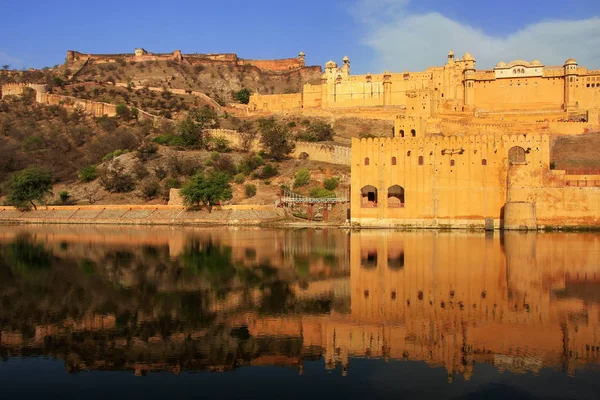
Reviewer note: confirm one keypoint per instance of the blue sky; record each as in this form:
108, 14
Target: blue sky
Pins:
376, 34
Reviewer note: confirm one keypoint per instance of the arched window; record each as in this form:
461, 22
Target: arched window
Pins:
408, 153
420, 160
368, 197
452, 163
516, 155
401, 132
393, 160
396, 259
413, 133
484, 162
395, 197
366, 160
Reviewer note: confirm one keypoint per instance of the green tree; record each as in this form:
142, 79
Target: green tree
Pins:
207, 190
243, 96
192, 129
317, 132
28, 185
275, 138
6, 67
123, 112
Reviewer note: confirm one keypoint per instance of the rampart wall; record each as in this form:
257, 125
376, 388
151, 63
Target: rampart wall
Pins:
95, 108
280, 65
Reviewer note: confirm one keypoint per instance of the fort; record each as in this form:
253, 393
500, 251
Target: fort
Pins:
527, 95
141, 55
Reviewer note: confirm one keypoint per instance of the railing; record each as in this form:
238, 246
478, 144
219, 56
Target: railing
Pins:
288, 197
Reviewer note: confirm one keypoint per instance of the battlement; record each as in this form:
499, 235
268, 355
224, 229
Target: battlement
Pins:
453, 141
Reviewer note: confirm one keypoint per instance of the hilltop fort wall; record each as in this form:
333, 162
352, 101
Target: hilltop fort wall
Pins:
141, 55
462, 181
95, 108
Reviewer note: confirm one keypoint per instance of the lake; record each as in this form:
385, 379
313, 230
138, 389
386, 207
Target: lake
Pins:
154, 312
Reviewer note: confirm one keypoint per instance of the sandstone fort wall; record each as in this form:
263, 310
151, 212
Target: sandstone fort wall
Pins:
277, 66
461, 181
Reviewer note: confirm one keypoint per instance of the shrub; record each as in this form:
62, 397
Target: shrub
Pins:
239, 178
123, 112
292, 124
220, 144
302, 177
250, 190
320, 193
268, 171
88, 174
331, 183
172, 183
140, 171
160, 172
150, 190
243, 96
250, 163
64, 196
146, 151
115, 179
163, 139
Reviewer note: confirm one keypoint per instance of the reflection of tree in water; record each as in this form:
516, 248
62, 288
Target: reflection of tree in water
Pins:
210, 260
25, 255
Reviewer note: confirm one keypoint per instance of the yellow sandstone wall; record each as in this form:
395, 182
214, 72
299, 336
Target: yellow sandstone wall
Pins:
461, 181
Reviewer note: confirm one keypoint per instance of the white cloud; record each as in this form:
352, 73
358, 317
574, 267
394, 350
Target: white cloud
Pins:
5, 59
403, 40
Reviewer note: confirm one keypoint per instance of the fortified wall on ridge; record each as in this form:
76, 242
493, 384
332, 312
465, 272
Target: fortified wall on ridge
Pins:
141, 55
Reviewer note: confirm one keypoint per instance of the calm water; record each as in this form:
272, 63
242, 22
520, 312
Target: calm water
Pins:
113, 312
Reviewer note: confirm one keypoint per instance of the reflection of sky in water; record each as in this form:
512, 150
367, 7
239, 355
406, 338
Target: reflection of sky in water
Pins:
447, 314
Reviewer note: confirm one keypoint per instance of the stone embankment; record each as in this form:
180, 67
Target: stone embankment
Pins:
143, 215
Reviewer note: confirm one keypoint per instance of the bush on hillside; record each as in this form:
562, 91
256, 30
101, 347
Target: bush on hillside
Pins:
302, 177
331, 183
250, 190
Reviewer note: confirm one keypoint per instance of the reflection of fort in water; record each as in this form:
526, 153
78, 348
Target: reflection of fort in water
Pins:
520, 302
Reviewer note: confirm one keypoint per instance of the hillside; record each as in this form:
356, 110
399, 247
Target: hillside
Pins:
217, 81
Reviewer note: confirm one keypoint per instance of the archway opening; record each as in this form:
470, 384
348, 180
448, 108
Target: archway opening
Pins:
395, 196
368, 197
368, 258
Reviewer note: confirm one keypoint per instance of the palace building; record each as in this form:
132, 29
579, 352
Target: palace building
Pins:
457, 86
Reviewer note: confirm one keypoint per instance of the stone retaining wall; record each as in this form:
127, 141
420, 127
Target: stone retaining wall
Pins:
143, 215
